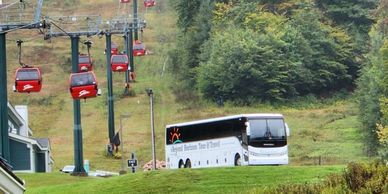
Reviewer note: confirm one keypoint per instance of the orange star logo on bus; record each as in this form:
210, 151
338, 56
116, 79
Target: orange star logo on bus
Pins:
174, 136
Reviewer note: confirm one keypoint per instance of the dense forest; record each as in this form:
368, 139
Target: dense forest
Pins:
274, 51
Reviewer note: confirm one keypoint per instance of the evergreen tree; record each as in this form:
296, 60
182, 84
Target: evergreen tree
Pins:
372, 87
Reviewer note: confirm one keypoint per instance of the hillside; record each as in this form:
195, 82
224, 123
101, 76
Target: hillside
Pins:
326, 129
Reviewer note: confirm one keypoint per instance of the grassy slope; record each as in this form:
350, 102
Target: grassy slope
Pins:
328, 130
216, 180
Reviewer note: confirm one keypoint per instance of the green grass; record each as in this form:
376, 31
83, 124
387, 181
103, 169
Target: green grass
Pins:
214, 180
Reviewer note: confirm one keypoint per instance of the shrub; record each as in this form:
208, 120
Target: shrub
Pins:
357, 178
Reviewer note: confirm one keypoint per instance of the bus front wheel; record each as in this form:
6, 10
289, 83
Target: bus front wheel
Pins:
181, 164
188, 163
237, 160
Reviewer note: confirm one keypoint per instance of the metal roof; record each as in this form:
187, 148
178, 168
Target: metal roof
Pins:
44, 142
249, 116
5, 166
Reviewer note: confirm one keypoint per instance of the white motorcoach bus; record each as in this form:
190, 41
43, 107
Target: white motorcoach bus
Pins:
248, 139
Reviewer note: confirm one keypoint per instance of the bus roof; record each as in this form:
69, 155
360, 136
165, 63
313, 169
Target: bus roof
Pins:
256, 115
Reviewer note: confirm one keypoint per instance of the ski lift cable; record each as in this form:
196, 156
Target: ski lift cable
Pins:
27, 40
19, 44
118, 8
89, 45
64, 31
39, 35
9, 5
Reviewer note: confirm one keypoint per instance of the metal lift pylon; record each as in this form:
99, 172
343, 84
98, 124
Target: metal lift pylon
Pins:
14, 16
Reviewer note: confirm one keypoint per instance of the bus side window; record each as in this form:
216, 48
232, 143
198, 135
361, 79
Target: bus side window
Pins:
287, 130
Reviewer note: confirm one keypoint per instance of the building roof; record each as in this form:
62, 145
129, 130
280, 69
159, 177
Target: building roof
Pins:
5, 166
249, 116
27, 140
44, 142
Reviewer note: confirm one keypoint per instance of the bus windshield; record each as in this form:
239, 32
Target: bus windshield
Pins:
267, 129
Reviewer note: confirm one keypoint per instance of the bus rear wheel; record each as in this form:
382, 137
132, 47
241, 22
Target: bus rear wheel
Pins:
188, 163
237, 160
181, 164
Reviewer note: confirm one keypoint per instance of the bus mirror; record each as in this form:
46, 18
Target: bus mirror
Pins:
287, 129
248, 128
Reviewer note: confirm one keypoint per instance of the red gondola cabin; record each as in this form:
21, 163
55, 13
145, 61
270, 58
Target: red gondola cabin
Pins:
149, 3
119, 63
85, 63
125, 1
83, 85
138, 48
28, 79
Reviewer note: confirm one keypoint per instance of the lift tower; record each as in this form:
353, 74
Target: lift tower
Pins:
14, 15
125, 26
75, 27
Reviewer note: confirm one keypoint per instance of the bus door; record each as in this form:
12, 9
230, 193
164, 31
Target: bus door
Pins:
245, 131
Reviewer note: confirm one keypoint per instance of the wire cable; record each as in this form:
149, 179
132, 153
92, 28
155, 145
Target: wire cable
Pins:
64, 31
9, 5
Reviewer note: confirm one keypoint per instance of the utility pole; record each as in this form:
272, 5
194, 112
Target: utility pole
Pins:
122, 171
151, 95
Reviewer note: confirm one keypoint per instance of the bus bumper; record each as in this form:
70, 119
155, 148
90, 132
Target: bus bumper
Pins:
253, 160
268, 156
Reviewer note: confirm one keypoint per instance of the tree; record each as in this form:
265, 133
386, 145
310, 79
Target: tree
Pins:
372, 91
196, 25
354, 15
244, 67
329, 58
